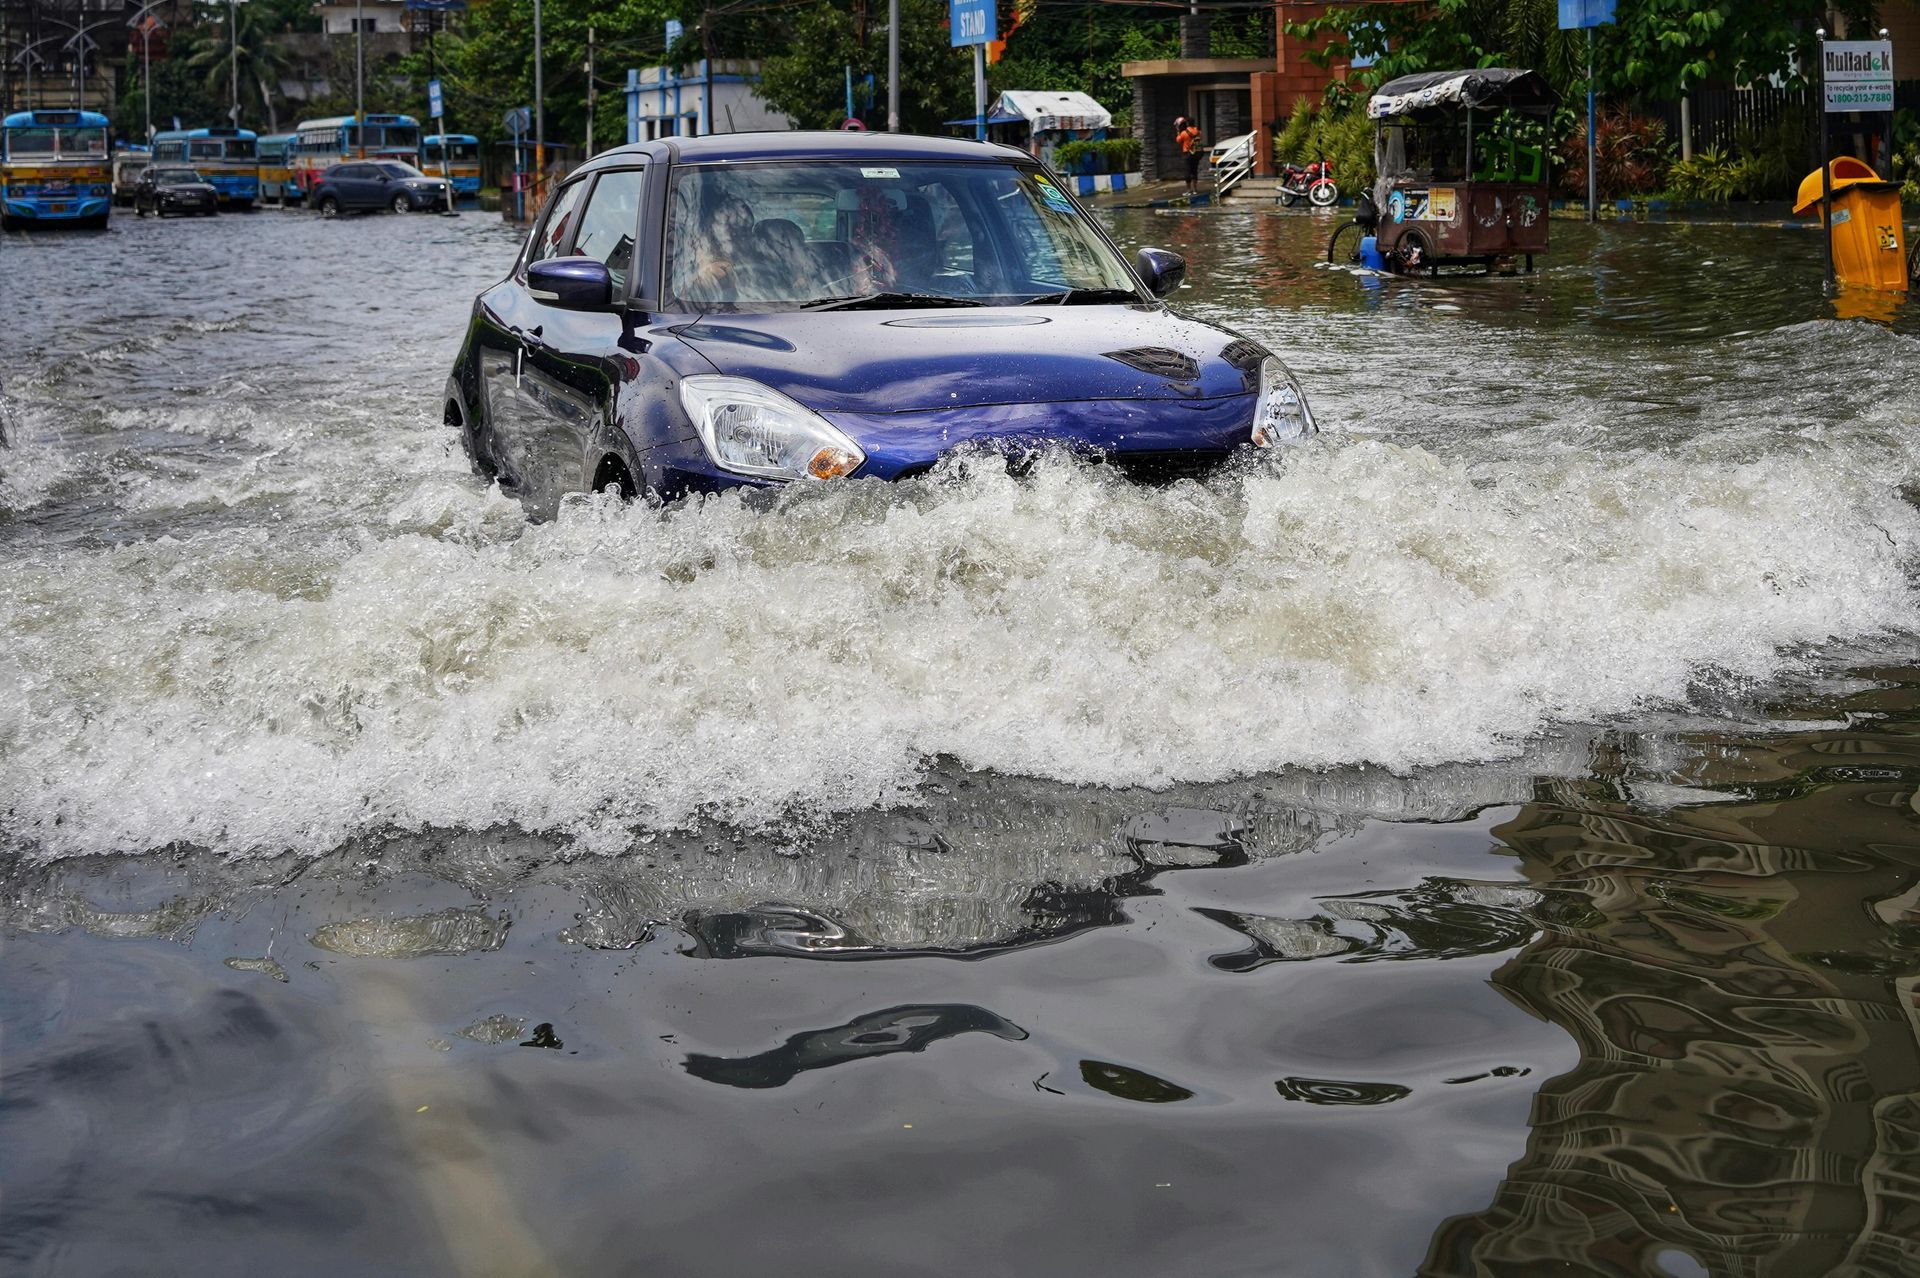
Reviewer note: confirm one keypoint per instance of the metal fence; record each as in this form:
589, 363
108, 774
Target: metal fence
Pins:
1722, 113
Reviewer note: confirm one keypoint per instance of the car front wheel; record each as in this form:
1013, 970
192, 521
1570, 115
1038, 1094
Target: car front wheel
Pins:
329, 206
401, 204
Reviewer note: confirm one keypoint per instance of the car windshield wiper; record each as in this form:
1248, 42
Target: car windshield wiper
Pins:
1071, 296
888, 301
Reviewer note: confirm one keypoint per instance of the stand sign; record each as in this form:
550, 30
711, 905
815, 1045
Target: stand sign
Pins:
436, 105
1858, 75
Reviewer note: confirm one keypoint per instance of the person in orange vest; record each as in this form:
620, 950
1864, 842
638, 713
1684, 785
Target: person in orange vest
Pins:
1187, 134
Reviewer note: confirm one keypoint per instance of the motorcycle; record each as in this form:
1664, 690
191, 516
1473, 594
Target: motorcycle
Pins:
1312, 182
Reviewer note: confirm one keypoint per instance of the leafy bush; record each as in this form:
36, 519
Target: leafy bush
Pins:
1776, 156
1340, 134
1906, 155
1631, 152
1711, 175
1113, 155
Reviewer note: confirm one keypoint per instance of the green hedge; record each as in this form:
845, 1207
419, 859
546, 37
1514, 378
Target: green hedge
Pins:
1114, 155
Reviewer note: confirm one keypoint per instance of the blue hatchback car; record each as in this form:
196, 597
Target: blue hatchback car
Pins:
695, 314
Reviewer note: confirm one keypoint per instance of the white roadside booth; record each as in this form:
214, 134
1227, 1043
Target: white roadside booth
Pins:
1040, 121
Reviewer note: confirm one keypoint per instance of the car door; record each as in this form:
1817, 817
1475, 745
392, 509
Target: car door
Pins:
353, 182
576, 364
510, 323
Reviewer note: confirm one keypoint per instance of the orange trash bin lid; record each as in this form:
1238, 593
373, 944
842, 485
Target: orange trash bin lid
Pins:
1846, 171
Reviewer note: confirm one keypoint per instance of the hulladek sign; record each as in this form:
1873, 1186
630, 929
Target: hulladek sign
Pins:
1857, 74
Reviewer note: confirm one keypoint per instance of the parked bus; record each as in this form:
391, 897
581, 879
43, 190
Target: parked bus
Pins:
55, 169
276, 167
320, 144
461, 154
226, 157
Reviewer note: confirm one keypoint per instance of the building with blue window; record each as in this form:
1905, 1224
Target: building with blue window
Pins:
672, 102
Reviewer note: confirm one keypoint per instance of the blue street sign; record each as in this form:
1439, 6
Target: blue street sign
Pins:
972, 22
1575, 14
674, 31
439, 6
435, 106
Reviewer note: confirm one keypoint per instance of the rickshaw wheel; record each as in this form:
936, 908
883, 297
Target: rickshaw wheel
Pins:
1413, 256
1344, 248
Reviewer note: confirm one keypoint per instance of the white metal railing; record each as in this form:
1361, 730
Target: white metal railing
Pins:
1228, 176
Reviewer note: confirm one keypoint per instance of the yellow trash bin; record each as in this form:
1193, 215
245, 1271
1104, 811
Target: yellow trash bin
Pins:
1869, 245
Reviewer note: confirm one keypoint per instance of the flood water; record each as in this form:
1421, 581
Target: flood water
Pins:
1485, 844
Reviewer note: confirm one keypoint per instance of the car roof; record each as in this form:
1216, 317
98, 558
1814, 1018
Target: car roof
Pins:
803, 144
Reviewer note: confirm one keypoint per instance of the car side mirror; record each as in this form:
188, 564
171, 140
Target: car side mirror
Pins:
1160, 269
576, 283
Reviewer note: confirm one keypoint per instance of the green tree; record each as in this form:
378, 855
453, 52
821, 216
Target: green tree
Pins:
1665, 47
242, 54
1656, 49
807, 82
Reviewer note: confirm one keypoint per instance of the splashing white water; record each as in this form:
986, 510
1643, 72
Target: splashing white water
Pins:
258, 689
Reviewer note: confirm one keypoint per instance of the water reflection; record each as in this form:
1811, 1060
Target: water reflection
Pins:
1743, 992
1725, 927
884, 1033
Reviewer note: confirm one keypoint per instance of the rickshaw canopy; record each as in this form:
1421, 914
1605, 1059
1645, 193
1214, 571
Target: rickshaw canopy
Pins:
1484, 88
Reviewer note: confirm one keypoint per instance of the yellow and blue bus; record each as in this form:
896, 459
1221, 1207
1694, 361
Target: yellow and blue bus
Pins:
55, 169
276, 167
226, 157
461, 154
318, 145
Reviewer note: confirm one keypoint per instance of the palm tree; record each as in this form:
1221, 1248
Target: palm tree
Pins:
246, 57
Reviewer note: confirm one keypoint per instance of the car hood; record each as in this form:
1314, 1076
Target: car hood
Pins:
913, 361
187, 188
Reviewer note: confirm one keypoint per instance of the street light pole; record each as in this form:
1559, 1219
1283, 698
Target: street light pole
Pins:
143, 19
233, 60
80, 44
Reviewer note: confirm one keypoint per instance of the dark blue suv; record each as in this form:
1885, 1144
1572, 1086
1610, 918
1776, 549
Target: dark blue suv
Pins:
376, 184
755, 309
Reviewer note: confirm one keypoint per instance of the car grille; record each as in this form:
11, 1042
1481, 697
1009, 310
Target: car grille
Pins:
1166, 467
1152, 468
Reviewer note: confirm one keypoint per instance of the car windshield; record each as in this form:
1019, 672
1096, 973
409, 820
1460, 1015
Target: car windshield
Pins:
396, 169
774, 237
177, 175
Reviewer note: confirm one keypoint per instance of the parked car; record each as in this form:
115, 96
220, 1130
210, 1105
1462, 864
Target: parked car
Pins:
695, 314
376, 184
165, 189
1234, 150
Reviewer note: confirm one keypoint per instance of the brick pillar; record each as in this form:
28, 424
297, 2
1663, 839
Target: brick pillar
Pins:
1196, 35
1266, 115
1142, 122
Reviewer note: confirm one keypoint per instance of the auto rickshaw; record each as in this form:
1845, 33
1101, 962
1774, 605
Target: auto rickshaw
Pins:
1464, 174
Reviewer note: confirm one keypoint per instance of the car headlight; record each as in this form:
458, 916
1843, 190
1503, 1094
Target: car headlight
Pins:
1281, 414
752, 429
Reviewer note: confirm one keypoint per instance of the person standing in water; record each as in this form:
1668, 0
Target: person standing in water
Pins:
1187, 134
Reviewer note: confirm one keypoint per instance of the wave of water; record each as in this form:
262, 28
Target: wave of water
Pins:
255, 689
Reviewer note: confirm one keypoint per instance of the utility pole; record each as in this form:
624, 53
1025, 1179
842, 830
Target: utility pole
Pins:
706, 70
539, 112
590, 93
359, 79
233, 61
893, 66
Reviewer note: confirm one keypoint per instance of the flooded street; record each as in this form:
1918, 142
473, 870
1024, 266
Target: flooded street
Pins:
1484, 843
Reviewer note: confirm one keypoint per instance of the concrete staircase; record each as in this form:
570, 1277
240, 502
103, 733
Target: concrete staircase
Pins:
1257, 190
